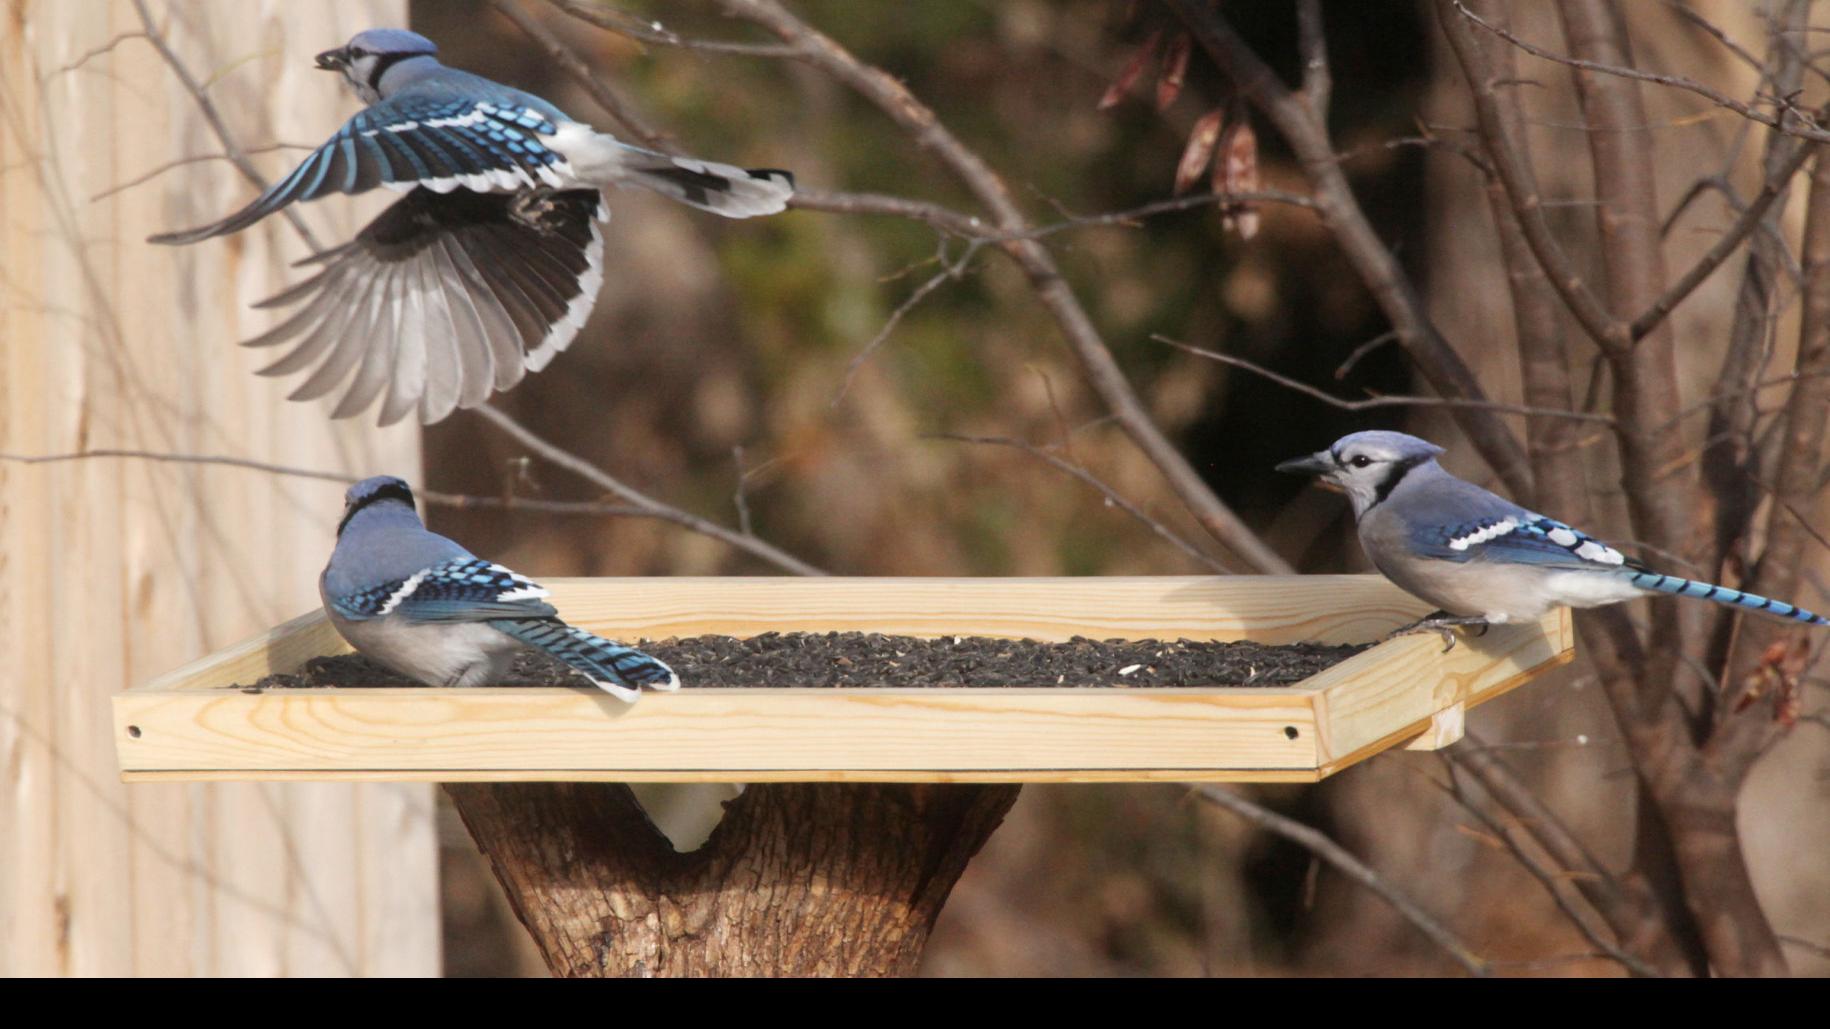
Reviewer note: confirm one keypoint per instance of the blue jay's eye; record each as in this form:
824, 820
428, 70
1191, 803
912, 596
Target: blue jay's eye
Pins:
356, 52
1359, 460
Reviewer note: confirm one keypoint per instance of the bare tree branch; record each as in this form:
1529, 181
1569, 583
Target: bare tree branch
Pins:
1521, 184
1790, 120
1381, 400
1321, 846
1556, 882
1096, 359
1749, 220
1441, 366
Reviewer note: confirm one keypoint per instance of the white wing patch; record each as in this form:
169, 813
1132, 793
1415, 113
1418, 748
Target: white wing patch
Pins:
525, 588
1586, 549
1482, 535
406, 589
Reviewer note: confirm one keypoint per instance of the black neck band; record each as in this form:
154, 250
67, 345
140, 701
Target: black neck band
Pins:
1392, 479
391, 491
385, 61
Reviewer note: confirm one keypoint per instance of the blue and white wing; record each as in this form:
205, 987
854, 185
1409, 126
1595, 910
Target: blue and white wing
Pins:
439, 142
1520, 538
467, 589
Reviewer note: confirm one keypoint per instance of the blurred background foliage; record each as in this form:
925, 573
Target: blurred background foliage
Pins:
719, 362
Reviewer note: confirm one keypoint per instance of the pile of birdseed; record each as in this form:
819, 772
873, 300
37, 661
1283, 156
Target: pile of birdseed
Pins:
860, 659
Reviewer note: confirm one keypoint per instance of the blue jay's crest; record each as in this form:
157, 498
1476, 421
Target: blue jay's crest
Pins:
1379, 443
1479, 556
489, 266
387, 42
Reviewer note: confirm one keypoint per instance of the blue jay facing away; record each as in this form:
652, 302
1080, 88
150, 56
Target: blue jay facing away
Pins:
490, 264
433, 611
1482, 559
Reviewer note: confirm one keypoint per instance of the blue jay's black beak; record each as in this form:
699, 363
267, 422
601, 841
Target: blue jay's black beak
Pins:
1313, 464
332, 60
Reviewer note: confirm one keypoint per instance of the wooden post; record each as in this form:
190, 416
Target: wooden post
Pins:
114, 570
798, 880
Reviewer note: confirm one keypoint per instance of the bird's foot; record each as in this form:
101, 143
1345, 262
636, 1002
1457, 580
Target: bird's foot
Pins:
1443, 623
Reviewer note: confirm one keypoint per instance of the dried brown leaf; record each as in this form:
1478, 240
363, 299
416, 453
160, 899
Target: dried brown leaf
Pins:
1175, 70
1236, 171
1133, 68
1199, 152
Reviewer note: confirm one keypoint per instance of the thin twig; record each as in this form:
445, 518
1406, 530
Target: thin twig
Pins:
1377, 400
1321, 846
1749, 220
182, 161
207, 107
1821, 950
1112, 496
624, 24
1558, 883
650, 506
575, 66
1806, 129
973, 228
950, 271
435, 498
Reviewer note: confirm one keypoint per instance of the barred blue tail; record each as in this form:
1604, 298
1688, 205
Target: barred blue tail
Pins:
612, 667
1724, 595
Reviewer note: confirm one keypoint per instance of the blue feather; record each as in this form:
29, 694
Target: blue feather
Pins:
599, 659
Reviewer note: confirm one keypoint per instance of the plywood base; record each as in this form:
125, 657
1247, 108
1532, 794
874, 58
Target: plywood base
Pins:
191, 726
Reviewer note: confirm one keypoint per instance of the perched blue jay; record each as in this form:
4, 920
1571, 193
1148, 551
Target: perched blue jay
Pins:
432, 611
489, 265
1482, 559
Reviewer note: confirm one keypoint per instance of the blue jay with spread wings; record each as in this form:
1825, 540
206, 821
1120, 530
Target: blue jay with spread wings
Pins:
429, 609
1480, 558
489, 265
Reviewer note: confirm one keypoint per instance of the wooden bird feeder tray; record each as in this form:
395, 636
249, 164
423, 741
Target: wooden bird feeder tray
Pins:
192, 725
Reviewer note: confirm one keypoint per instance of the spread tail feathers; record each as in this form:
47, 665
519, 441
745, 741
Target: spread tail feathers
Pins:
719, 188
1723, 595
612, 667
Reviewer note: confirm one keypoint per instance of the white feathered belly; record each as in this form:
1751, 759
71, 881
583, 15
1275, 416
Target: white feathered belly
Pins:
1508, 593
434, 653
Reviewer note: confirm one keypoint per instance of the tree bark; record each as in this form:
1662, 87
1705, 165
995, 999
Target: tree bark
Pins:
816, 879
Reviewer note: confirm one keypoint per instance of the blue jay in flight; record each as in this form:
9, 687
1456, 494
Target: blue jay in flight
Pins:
490, 264
1482, 559
432, 611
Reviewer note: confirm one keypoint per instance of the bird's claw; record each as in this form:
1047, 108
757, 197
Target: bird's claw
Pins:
1441, 623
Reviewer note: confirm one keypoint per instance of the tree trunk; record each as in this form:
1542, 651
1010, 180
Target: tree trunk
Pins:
798, 880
